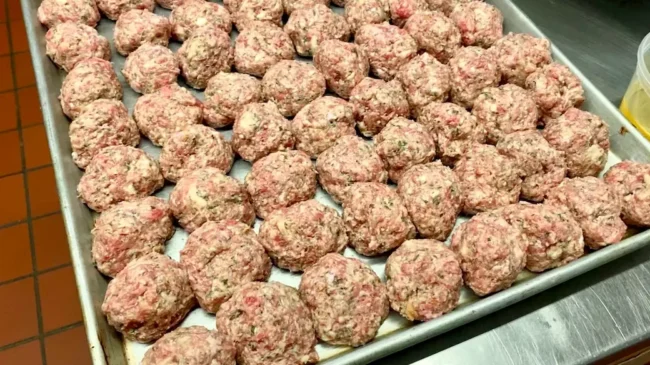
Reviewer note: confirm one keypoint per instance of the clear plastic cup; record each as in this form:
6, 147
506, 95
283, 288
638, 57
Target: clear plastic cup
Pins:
636, 102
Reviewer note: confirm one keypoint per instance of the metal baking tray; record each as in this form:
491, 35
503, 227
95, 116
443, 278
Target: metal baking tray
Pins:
107, 346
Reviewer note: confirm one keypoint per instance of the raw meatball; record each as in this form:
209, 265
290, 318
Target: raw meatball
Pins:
250, 11
362, 12
226, 95
423, 279
171, 4
310, 27
221, 256
492, 252
129, 230
279, 180
150, 67
297, 236
269, 325
505, 109
375, 218
472, 70
68, 43
166, 111
342, 64
261, 46
556, 89
91, 79
149, 297
193, 15
387, 47
376, 102
402, 10
137, 27
203, 55
595, 205
541, 166
553, 237
103, 123
291, 85
53, 12
348, 161
404, 144
453, 128
519, 55
112, 9
630, 180
259, 130
583, 137
347, 300
480, 24
446, 6
425, 80
434, 33
320, 123
432, 196
193, 148
191, 345
291, 5
116, 174
208, 195
488, 180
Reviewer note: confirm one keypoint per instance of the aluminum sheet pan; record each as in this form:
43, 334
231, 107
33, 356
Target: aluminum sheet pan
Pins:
395, 334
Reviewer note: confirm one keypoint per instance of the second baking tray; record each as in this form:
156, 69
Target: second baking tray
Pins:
395, 334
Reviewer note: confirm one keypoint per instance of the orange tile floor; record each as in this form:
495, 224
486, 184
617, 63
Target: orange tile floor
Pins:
40, 316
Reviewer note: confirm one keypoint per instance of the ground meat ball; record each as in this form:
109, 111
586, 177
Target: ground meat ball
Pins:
250, 11
375, 218
226, 95
541, 166
192, 345
291, 85
259, 130
387, 47
504, 110
203, 55
519, 55
269, 325
297, 236
348, 161
480, 24
193, 15
434, 33
112, 9
425, 80
342, 64
347, 300
53, 12
150, 67
90, 80
583, 137
310, 27
118, 173
453, 128
291, 5
148, 298
260, 47
446, 6
492, 252
595, 205
320, 123
280, 180
209, 195
404, 144
166, 111
137, 27
402, 10
631, 180
68, 43
423, 279
193, 148
432, 196
472, 70
361, 12
488, 180
219, 257
553, 237
376, 102
130, 230
103, 123
556, 89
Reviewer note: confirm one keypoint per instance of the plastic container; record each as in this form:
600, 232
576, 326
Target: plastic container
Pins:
636, 102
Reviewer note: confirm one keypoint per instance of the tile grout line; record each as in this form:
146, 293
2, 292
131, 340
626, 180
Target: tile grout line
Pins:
27, 276
26, 170
9, 225
41, 337
26, 127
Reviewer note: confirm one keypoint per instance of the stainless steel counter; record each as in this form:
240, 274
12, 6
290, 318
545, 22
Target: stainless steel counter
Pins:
606, 310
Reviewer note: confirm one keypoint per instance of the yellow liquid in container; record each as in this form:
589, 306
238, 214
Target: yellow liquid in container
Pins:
636, 104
